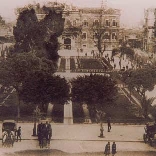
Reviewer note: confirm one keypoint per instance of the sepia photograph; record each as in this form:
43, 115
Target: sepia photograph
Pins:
77, 77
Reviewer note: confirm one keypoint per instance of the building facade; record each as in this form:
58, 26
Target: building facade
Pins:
79, 29
83, 26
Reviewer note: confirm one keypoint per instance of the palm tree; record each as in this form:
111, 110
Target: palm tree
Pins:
146, 104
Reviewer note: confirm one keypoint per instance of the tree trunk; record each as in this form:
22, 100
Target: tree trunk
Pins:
18, 106
145, 105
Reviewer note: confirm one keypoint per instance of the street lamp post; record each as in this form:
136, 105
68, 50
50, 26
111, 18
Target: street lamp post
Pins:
36, 114
34, 129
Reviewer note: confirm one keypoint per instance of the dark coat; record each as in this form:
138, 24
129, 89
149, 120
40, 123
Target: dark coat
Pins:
113, 148
107, 149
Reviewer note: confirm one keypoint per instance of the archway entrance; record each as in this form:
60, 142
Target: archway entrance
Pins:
67, 43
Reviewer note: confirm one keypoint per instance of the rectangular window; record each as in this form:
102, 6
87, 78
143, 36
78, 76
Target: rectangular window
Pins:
114, 23
84, 36
114, 37
107, 23
84, 45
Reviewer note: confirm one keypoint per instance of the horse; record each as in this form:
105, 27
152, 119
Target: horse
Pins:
8, 138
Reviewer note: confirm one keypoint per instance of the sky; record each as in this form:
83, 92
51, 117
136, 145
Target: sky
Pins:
132, 11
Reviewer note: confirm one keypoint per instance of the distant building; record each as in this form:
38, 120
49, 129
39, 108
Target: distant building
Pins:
134, 37
149, 39
6, 39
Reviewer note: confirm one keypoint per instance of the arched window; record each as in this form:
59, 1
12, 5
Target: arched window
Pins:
106, 36
84, 35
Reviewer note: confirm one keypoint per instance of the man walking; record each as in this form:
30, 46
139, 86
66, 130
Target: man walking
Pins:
113, 149
109, 123
107, 149
19, 134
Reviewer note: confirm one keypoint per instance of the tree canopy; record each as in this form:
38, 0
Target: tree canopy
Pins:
25, 32
124, 50
141, 79
15, 69
43, 88
95, 90
38, 36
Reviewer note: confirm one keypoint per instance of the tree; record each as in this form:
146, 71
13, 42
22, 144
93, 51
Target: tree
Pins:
42, 88
124, 49
97, 91
99, 34
146, 104
2, 22
39, 36
25, 32
16, 68
141, 79
53, 26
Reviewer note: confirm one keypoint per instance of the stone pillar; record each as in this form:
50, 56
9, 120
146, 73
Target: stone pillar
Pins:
49, 111
67, 64
68, 113
86, 113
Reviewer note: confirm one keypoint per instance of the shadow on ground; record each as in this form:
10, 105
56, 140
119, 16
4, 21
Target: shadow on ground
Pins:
47, 152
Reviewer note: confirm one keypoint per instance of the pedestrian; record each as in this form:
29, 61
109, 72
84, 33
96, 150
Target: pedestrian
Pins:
113, 149
107, 149
109, 124
39, 133
49, 132
19, 134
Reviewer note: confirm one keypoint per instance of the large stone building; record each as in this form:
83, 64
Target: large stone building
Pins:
79, 30
84, 19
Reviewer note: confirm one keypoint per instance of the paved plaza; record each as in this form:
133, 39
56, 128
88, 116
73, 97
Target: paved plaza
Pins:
80, 138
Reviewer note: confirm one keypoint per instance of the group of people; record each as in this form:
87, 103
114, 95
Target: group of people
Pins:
44, 132
107, 150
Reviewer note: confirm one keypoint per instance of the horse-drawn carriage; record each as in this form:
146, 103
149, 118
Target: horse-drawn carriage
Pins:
9, 128
150, 134
44, 132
